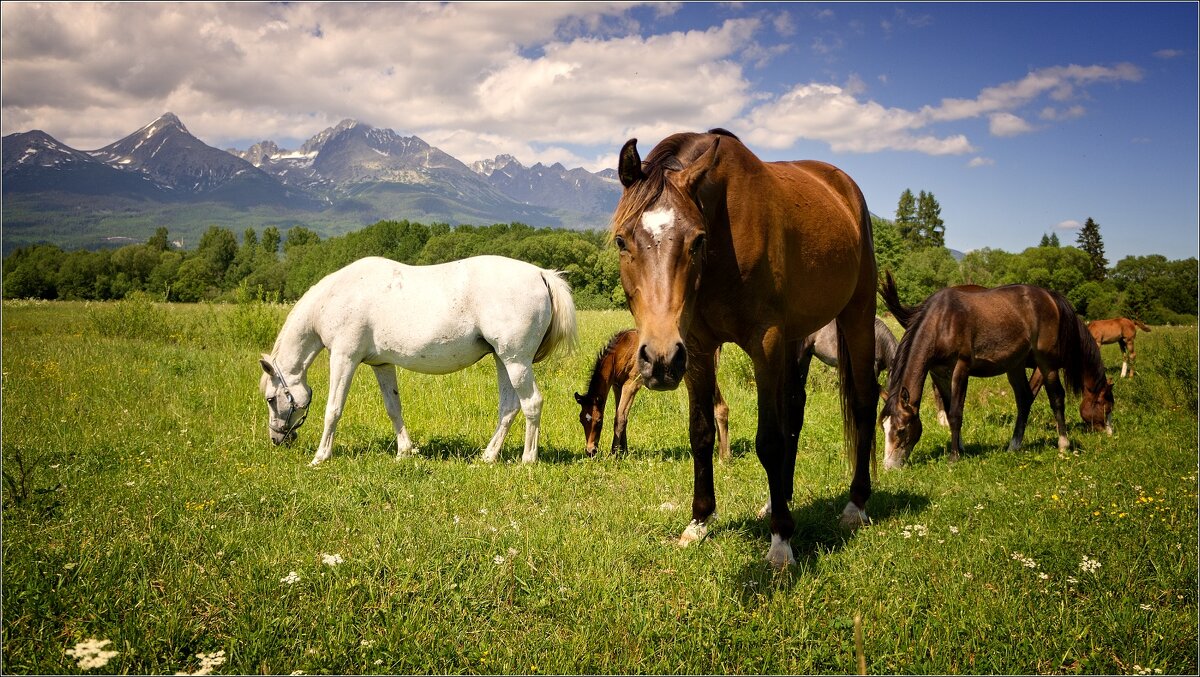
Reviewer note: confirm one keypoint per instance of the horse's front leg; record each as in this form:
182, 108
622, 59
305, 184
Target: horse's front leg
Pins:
796, 397
624, 403
701, 382
341, 372
385, 374
772, 373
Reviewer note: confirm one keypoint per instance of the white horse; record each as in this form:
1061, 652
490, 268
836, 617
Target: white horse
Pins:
431, 319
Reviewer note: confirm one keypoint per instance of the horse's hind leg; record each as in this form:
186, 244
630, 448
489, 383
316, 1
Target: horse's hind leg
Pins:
520, 374
1024, 395
1126, 356
721, 414
509, 406
624, 396
385, 374
1132, 356
341, 372
1058, 397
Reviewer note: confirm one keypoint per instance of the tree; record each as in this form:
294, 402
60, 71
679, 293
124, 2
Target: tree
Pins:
931, 230
906, 216
1050, 240
159, 240
270, 240
1091, 244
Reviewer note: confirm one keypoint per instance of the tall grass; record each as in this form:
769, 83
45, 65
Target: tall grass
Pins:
156, 515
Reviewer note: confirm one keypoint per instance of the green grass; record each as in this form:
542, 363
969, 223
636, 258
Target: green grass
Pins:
144, 505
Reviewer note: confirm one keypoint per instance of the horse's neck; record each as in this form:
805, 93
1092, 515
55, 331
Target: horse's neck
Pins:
297, 345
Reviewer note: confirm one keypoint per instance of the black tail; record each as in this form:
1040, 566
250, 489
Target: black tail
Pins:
891, 298
1079, 350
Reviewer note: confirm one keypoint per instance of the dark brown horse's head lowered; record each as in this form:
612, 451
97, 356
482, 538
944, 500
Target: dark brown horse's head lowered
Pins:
660, 232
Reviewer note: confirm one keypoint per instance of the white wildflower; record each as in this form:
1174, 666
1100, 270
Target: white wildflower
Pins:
1026, 561
954, 530
331, 560
498, 559
90, 653
1089, 565
292, 577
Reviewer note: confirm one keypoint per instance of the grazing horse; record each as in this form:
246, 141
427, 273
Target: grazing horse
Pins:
1121, 331
616, 370
957, 333
431, 319
717, 246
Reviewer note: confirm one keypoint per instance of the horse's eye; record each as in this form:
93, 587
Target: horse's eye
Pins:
271, 400
620, 243
698, 244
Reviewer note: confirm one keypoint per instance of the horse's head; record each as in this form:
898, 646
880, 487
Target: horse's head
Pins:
901, 422
591, 417
287, 406
1096, 405
661, 233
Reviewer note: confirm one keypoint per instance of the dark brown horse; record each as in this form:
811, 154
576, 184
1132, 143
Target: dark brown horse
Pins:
616, 370
1121, 331
717, 246
957, 333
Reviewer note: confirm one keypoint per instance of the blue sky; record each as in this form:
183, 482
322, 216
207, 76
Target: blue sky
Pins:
1021, 118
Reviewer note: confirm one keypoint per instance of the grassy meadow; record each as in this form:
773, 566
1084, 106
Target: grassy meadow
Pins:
144, 508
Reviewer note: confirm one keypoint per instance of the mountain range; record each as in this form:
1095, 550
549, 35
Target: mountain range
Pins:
341, 179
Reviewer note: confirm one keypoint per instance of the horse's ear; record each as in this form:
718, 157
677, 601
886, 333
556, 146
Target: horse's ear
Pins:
883, 395
629, 166
579, 398
265, 361
694, 172
904, 395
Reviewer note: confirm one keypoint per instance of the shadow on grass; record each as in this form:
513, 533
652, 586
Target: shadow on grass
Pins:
818, 534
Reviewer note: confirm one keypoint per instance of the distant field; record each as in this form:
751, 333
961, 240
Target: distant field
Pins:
144, 505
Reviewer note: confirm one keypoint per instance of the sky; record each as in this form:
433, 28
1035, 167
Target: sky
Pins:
1022, 119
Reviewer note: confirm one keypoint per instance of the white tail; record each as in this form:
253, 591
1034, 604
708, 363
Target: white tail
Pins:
562, 330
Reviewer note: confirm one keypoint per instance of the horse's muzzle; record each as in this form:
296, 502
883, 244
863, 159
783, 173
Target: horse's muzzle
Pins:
662, 371
283, 439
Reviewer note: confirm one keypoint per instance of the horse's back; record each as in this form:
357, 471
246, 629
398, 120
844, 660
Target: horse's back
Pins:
433, 318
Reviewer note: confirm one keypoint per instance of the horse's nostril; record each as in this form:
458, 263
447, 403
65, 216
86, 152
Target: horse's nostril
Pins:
643, 354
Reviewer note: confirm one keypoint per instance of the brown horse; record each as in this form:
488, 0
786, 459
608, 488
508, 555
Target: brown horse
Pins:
1121, 331
615, 370
957, 333
717, 246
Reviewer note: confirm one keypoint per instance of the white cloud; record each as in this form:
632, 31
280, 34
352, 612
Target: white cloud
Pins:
1007, 124
831, 114
1168, 53
1059, 82
89, 74
1069, 224
1070, 113
980, 162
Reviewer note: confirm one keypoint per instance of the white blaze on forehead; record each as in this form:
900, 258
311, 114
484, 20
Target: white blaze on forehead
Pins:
657, 222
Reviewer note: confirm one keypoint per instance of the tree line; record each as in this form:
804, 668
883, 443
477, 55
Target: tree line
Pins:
275, 266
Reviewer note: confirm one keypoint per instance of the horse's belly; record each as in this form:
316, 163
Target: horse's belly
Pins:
436, 358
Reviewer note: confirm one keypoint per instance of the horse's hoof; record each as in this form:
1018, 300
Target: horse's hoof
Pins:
1064, 444
694, 533
765, 511
854, 517
780, 554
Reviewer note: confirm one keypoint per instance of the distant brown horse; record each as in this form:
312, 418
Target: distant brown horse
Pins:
1121, 331
717, 246
959, 333
615, 370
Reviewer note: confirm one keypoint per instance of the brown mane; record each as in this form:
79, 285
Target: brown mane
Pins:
671, 154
